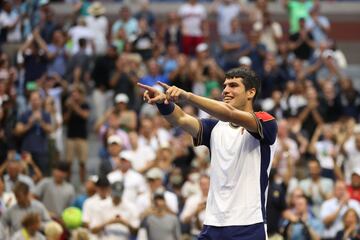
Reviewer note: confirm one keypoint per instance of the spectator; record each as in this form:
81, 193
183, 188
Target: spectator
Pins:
351, 149
173, 31
232, 43
13, 216
333, 210
302, 42
159, 222
194, 27
57, 55
318, 25
10, 22
14, 175
112, 162
54, 192
125, 21
318, 189
351, 226
98, 24
297, 9
146, 13
120, 217
194, 209
76, 116
144, 40
134, 182
34, 126
354, 188
31, 228
81, 31
101, 73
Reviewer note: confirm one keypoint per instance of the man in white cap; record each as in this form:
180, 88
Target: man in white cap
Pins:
134, 182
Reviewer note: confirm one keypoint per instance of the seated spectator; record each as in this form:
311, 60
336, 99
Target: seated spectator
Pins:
333, 210
305, 225
14, 174
193, 212
317, 188
120, 217
12, 218
158, 221
31, 228
134, 182
54, 192
351, 226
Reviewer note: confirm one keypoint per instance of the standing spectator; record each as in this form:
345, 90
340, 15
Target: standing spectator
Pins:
25, 204
318, 25
126, 21
97, 23
31, 228
226, 11
144, 40
194, 27
232, 43
33, 127
112, 161
54, 192
57, 55
159, 222
47, 24
173, 31
34, 57
297, 9
302, 42
104, 67
333, 210
76, 116
81, 31
10, 22
270, 32
146, 13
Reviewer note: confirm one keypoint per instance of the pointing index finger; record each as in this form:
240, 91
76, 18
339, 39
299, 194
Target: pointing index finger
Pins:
146, 87
164, 85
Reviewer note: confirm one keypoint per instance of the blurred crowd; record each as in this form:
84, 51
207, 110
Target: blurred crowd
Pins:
66, 83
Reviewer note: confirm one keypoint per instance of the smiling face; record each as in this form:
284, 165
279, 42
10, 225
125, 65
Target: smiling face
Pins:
234, 93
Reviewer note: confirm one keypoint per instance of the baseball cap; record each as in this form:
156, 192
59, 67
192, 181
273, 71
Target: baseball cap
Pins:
155, 173
114, 139
202, 47
103, 181
117, 189
121, 98
127, 155
245, 60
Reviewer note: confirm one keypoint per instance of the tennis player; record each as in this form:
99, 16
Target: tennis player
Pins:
240, 142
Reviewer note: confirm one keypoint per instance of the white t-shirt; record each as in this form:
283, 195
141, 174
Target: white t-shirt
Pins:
8, 19
78, 32
240, 166
99, 27
93, 210
125, 210
353, 158
190, 208
323, 153
142, 155
225, 13
192, 17
134, 183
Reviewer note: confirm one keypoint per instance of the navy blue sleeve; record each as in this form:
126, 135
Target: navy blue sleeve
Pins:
267, 128
204, 134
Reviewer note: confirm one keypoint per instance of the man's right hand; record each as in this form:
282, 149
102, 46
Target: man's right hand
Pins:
152, 95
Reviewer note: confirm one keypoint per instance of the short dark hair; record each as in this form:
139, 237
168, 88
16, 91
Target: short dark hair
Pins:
248, 76
21, 187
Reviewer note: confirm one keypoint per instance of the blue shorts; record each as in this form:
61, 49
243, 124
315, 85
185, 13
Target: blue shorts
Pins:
251, 232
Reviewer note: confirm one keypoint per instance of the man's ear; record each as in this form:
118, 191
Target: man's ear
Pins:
250, 94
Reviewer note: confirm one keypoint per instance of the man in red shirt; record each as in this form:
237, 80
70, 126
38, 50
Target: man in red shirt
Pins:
354, 188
